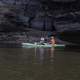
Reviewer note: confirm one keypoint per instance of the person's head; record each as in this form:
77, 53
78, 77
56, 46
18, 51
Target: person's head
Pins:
52, 37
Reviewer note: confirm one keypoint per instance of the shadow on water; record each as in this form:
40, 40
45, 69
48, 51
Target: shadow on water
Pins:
10, 45
74, 48
39, 64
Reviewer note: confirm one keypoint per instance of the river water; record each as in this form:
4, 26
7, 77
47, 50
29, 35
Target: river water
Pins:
39, 64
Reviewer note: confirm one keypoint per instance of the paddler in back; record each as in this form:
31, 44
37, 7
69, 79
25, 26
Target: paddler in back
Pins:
52, 40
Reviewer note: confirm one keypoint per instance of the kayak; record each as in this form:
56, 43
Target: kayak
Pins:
32, 45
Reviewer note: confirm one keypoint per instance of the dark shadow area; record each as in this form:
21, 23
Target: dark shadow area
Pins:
71, 36
10, 45
72, 48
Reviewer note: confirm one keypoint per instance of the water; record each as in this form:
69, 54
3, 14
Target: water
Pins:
39, 64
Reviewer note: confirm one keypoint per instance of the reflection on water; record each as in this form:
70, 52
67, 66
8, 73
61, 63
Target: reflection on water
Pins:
39, 64
52, 55
41, 55
44, 53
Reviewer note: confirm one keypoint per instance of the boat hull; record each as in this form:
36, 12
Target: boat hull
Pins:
29, 45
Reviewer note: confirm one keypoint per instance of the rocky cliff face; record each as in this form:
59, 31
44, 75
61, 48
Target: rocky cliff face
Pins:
17, 15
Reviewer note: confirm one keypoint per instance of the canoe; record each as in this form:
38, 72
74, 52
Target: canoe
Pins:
31, 45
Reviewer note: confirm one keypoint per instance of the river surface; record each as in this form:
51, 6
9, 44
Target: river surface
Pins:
39, 64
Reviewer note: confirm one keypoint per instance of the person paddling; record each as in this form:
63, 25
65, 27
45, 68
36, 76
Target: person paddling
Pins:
52, 40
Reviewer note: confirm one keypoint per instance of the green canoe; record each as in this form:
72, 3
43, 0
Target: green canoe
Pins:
32, 45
